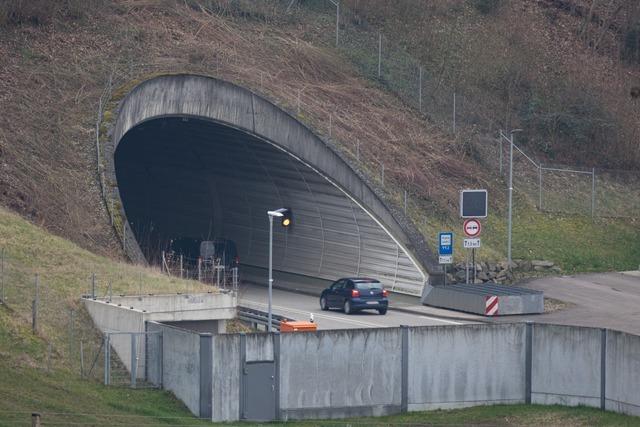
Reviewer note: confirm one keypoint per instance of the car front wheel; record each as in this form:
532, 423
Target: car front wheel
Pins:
323, 304
347, 307
382, 311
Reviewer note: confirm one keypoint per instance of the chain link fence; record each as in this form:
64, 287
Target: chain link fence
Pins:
50, 307
385, 61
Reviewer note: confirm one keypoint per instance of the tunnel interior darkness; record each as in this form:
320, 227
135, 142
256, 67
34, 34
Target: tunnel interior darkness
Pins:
189, 177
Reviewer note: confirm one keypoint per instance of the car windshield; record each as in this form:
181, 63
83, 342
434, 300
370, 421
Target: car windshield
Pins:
365, 286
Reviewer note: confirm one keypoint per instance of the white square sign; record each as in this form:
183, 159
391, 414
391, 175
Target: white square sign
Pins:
471, 243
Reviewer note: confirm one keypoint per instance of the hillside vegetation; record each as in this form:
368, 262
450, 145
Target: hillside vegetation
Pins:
60, 56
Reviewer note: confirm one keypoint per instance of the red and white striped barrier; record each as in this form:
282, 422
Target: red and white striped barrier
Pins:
491, 305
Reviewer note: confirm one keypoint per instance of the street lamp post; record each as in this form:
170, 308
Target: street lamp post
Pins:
285, 214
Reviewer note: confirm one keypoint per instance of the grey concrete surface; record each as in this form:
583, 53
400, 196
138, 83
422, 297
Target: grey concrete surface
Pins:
180, 364
600, 300
452, 367
299, 306
566, 365
226, 377
329, 372
623, 373
202, 312
473, 298
359, 372
224, 103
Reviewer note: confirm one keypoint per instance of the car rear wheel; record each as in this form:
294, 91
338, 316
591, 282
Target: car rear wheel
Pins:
323, 304
382, 311
347, 307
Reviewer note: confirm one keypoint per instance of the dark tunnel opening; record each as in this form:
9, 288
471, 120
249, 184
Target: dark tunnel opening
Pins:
197, 180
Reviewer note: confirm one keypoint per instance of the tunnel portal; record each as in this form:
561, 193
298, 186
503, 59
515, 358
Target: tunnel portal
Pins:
186, 175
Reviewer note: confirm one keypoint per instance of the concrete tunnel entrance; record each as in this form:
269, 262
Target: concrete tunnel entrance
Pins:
185, 172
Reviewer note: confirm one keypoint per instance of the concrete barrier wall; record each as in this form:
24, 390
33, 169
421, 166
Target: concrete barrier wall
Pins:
259, 347
566, 365
226, 377
623, 373
111, 318
335, 374
452, 367
348, 373
180, 364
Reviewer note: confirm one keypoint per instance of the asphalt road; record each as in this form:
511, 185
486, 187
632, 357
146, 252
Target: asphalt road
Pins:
601, 300
300, 306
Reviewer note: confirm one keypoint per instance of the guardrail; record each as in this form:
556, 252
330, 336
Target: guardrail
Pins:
259, 317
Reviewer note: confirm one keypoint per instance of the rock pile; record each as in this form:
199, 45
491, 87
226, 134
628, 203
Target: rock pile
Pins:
498, 272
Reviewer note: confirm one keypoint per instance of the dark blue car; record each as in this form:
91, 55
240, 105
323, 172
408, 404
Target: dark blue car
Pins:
355, 294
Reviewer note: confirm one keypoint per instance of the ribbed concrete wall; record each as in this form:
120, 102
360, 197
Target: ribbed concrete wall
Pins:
452, 367
623, 373
336, 374
566, 365
270, 160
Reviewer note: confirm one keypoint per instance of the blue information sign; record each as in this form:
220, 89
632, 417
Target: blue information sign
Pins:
445, 246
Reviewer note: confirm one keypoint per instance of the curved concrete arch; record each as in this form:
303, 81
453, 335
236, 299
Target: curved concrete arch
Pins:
213, 104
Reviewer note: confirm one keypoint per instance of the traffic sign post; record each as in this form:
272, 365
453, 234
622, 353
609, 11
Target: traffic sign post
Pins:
445, 251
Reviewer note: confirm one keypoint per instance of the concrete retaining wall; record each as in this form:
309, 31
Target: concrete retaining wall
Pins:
334, 374
226, 377
452, 367
180, 363
345, 373
566, 365
111, 318
623, 373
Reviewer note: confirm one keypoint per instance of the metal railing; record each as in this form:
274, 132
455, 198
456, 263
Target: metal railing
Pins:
258, 317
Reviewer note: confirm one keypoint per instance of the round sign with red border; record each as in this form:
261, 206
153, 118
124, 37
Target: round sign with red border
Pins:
472, 228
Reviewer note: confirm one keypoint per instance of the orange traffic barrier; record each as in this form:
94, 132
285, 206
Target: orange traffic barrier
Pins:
298, 326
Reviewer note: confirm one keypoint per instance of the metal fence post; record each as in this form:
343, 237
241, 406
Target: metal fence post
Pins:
454, 113
379, 54
540, 186
337, 21
501, 154
405, 202
34, 307
382, 170
134, 361
93, 285
107, 361
593, 192
329, 125
358, 151
70, 332
81, 359
420, 88
2, 295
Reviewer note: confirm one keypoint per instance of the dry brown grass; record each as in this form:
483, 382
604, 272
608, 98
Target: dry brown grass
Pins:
53, 76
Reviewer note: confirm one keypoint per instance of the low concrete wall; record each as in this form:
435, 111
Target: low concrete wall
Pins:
566, 365
345, 373
336, 374
180, 363
451, 367
623, 373
181, 307
111, 318
226, 377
